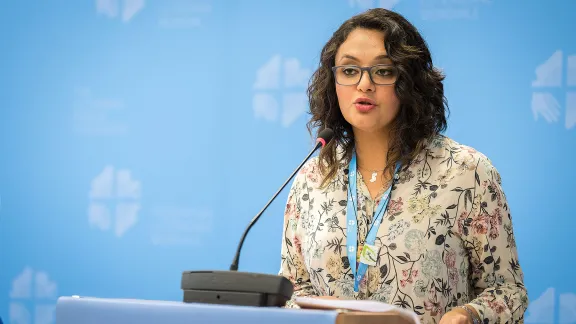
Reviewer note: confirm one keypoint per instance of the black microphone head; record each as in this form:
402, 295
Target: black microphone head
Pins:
325, 136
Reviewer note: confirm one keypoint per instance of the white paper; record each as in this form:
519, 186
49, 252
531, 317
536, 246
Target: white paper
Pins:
357, 305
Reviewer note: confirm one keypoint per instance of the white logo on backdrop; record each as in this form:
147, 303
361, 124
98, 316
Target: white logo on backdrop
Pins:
550, 79
431, 9
180, 226
451, 9
280, 91
183, 14
542, 310
32, 298
96, 116
126, 9
114, 201
367, 4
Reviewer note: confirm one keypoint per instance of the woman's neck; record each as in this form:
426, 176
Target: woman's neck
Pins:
371, 149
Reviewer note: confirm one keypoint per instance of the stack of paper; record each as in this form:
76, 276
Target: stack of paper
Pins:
356, 305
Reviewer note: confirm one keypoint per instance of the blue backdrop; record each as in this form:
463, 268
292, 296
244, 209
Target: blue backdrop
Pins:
139, 137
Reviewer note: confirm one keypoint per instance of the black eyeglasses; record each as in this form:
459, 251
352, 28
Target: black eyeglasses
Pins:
380, 74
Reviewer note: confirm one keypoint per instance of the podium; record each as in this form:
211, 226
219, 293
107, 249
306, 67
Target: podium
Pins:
88, 310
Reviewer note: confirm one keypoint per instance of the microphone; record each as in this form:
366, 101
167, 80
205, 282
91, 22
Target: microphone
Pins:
245, 288
323, 138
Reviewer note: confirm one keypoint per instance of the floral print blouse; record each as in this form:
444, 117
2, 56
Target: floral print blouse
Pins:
446, 238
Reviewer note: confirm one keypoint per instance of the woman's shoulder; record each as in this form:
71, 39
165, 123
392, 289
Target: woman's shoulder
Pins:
313, 175
451, 154
444, 144
310, 169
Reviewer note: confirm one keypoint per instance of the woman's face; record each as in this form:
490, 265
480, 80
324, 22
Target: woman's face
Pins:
368, 107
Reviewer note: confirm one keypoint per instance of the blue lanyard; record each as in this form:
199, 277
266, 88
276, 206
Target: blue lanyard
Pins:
352, 226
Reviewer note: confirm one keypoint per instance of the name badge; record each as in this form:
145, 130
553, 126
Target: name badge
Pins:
369, 254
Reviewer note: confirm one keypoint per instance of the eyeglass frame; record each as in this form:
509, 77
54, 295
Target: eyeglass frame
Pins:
362, 69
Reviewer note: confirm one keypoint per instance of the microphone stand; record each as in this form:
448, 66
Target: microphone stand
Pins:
234, 265
244, 288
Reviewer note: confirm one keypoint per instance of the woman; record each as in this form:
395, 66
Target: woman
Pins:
422, 219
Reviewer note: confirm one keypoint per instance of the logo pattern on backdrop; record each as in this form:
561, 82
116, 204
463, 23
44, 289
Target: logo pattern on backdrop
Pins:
367, 4
452, 9
184, 14
97, 116
280, 91
555, 78
33, 298
125, 10
173, 225
114, 201
431, 9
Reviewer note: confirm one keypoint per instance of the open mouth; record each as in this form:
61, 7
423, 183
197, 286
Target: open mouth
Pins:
364, 102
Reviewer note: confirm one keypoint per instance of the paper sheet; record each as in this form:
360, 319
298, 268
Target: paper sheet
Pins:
355, 305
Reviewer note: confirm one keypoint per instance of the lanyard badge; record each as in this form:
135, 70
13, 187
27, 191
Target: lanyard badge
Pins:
369, 252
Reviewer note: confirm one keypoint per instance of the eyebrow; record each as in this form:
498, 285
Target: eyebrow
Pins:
379, 57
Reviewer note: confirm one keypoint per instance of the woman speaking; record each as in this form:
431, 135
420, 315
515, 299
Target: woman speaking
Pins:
391, 210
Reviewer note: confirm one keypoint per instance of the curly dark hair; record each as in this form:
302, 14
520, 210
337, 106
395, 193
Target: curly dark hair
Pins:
419, 87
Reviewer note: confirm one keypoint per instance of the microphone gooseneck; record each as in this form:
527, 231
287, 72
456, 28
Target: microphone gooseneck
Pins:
324, 137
